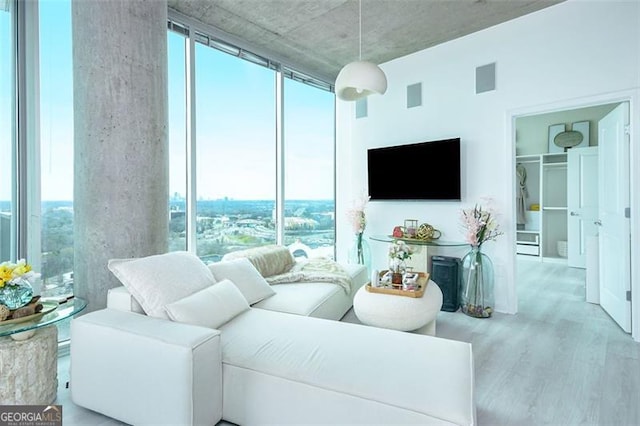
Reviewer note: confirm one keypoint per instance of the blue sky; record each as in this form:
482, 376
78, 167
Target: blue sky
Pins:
235, 121
5, 106
56, 100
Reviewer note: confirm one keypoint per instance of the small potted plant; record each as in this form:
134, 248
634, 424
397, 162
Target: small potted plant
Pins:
399, 252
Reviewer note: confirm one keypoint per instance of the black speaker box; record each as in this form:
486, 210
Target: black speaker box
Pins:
446, 272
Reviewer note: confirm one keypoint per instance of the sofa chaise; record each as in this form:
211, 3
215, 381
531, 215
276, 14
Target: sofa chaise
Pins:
200, 356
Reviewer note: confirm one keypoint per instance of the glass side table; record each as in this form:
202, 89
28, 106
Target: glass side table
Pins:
29, 354
420, 260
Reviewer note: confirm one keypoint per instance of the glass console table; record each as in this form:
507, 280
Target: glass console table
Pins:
29, 354
420, 259
418, 242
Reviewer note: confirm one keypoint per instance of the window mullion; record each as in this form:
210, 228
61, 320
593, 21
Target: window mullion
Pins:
190, 81
27, 124
280, 164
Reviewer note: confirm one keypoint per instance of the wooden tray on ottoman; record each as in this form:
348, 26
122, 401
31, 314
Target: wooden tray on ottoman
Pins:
396, 289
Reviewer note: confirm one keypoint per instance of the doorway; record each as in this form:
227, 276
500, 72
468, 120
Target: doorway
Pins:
546, 228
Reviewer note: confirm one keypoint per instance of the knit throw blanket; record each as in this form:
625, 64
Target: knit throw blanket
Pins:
269, 260
314, 270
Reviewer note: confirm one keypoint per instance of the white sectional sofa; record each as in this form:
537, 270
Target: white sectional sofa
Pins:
283, 360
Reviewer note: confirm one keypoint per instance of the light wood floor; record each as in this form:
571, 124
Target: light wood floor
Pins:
559, 361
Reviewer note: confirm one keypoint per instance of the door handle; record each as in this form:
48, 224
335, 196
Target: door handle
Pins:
598, 222
574, 214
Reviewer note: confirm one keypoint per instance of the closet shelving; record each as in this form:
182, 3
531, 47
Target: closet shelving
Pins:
547, 187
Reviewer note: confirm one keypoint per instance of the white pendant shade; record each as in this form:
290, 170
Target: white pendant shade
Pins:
360, 79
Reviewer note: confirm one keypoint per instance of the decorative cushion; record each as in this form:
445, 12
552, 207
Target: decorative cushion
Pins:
156, 281
212, 307
269, 260
245, 276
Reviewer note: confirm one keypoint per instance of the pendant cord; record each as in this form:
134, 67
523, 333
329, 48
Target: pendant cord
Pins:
360, 33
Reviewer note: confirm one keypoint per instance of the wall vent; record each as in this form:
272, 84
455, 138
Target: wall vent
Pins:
486, 78
414, 95
361, 108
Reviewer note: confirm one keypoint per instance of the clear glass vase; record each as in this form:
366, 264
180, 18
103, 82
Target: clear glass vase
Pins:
476, 293
17, 294
360, 252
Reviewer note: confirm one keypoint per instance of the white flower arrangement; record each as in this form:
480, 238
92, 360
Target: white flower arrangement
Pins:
400, 250
358, 220
357, 217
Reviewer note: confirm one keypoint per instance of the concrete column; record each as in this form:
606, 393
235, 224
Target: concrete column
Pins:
121, 144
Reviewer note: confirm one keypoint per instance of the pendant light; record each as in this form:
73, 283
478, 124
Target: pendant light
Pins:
361, 78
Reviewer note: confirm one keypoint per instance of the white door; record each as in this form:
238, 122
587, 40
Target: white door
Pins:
613, 221
582, 198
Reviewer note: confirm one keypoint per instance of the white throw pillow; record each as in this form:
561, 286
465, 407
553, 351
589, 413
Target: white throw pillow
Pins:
245, 276
155, 281
212, 307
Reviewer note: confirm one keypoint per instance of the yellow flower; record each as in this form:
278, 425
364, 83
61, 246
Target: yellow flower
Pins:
10, 271
20, 270
5, 274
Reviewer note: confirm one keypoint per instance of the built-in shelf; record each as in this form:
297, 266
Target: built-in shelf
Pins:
547, 187
528, 158
554, 158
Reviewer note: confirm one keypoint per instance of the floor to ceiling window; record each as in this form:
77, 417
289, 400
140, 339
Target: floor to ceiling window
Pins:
36, 138
236, 153
309, 169
233, 104
56, 147
177, 141
7, 135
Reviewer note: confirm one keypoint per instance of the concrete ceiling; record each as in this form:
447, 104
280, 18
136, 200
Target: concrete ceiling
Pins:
319, 37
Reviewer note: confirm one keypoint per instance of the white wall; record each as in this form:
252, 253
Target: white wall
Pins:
560, 55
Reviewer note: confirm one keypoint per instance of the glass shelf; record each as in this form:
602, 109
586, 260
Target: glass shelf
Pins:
418, 242
64, 310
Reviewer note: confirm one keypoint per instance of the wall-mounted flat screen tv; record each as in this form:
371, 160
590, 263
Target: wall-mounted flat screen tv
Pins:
420, 171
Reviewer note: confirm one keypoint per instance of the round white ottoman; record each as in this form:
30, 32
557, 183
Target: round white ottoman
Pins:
399, 312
